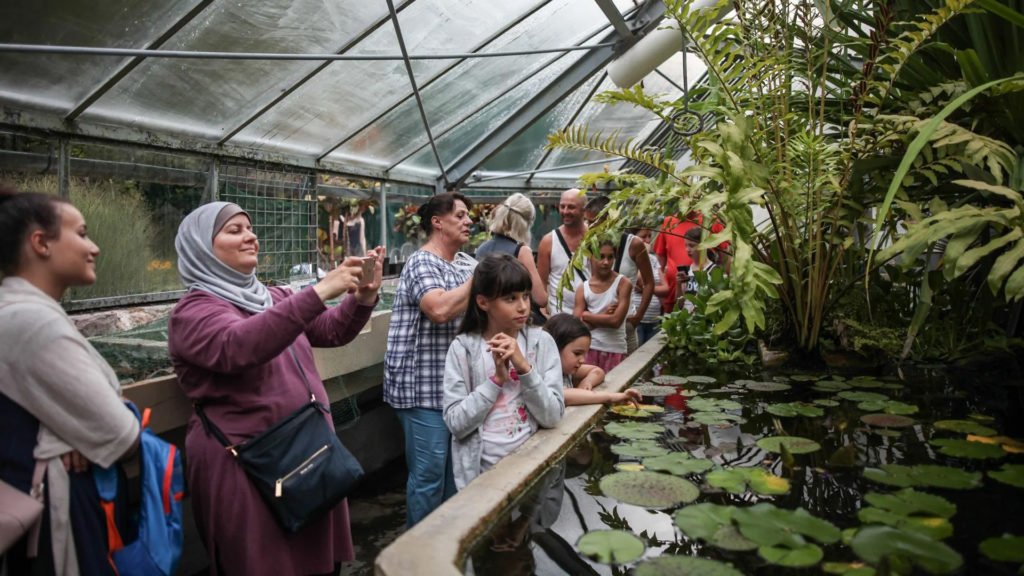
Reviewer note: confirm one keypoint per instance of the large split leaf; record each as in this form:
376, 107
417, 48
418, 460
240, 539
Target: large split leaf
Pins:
640, 449
713, 524
924, 475
611, 546
769, 525
649, 489
685, 566
678, 463
634, 430
1012, 474
961, 448
872, 543
794, 444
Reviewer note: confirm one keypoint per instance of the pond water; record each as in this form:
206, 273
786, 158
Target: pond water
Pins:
907, 492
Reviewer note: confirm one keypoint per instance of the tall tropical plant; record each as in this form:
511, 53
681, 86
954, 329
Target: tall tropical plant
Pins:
809, 102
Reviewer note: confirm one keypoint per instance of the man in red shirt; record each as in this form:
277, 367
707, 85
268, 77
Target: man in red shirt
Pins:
669, 245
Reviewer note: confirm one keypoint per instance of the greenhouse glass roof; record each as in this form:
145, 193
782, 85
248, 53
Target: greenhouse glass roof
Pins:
449, 93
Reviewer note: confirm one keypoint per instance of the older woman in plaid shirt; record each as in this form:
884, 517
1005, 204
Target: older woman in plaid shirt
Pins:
431, 297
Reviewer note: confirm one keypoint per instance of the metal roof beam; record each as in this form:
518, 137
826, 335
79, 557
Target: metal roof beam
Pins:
616, 19
118, 75
646, 19
575, 115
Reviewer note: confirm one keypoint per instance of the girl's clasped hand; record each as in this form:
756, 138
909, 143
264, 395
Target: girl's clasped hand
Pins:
505, 351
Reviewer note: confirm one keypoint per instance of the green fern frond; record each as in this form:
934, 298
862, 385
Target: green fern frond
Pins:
579, 138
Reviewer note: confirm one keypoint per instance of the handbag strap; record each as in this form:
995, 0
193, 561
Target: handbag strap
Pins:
214, 431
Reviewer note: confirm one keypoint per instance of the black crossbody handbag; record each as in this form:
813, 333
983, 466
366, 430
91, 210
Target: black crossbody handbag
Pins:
298, 465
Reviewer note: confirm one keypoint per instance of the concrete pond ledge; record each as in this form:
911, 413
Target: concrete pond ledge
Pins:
440, 542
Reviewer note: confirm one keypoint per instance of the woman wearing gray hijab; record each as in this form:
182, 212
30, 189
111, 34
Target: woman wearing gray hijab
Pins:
231, 340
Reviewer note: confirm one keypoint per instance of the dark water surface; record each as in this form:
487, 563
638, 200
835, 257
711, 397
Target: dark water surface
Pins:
540, 536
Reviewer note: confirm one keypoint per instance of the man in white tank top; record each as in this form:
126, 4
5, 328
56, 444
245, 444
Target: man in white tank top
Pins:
556, 249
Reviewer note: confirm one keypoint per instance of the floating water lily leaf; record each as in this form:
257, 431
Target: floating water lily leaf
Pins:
611, 546
964, 427
1012, 474
743, 383
652, 408
678, 463
791, 409
769, 525
872, 543
712, 523
685, 566
717, 418
629, 411
701, 379
960, 448
847, 569
669, 380
713, 404
860, 382
1006, 548
640, 449
634, 430
933, 527
804, 377
654, 390
895, 407
728, 479
830, 386
871, 405
768, 386
803, 556
826, 402
861, 396
764, 482
887, 420
794, 444
629, 466
908, 501
981, 417
1011, 445
924, 475
649, 489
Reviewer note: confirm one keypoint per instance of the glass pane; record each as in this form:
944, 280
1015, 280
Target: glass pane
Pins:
207, 98
60, 82
472, 85
133, 201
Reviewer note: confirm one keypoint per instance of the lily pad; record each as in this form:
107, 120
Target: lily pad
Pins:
678, 463
713, 524
713, 404
728, 479
1012, 474
895, 407
669, 380
964, 427
1006, 548
717, 418
872, 543
804, 378
794, 444
769, 525
634, 430
735, 480
933, 527
654, 390
861, 396
640, 449
629, 411
768, 386
791, 409
764, 482
866, 383
924, 475
826, 402
981, 417
800, 557
685, 566
611, 546
698, 379
629, 466
1011, 445
887, 420
961, 448
649, 489
871, 405
830, 386
909, 501
847, 568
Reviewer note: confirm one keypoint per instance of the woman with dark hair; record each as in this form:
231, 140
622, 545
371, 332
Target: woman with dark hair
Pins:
60, 403
243, 354
502, 378
431, 296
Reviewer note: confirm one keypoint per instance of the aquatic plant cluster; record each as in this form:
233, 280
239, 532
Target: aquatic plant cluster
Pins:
852, 475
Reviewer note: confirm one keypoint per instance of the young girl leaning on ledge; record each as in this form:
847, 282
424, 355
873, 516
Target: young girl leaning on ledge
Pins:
502, 378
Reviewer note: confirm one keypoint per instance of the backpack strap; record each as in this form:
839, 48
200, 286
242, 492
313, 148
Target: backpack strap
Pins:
568, 254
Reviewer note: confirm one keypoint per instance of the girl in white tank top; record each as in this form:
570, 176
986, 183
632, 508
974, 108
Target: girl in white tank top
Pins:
602, 303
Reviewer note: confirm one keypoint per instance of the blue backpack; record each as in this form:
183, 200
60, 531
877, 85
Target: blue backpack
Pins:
157, 549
